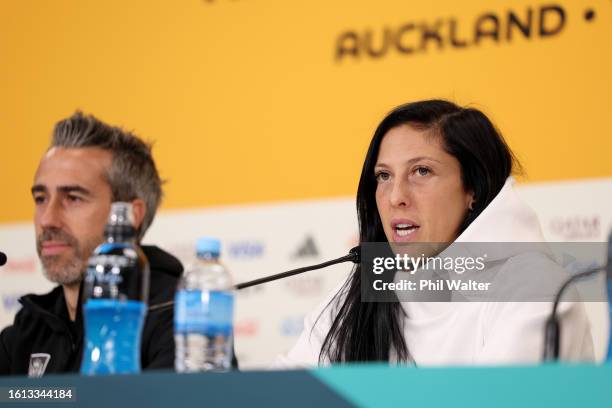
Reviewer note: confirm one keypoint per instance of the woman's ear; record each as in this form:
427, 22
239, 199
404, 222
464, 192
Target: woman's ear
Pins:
139, 209
471, 199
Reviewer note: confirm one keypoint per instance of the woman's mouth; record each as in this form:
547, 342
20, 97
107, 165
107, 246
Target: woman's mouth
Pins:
404, 230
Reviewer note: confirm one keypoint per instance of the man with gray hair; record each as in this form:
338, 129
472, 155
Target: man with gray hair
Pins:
88, 166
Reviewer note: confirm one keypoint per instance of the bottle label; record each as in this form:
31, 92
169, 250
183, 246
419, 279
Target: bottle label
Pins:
113, 331
117, 271
208, 313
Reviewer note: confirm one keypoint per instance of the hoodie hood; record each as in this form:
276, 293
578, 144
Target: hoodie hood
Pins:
508, 235
507, 219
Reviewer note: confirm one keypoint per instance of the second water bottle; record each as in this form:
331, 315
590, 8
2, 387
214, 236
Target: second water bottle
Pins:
203, 314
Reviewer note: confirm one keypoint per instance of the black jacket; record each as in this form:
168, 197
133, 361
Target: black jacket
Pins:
43, 325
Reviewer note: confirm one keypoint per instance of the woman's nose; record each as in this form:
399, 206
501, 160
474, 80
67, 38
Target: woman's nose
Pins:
399, 195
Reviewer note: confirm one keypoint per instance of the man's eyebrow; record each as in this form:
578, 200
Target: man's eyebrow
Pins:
74, 189
39, 188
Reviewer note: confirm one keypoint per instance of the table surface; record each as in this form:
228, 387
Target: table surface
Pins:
355, 385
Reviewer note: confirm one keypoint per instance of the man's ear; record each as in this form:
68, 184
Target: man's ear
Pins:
139, 209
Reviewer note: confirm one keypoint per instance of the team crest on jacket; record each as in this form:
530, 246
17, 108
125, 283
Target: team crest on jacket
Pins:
38, 364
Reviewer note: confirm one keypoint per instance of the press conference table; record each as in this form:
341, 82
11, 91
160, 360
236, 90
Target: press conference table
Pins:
360, 385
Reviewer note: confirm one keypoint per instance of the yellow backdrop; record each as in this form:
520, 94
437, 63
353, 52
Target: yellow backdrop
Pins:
261, 100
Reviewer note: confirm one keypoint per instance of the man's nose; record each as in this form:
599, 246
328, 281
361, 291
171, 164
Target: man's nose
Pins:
51, 216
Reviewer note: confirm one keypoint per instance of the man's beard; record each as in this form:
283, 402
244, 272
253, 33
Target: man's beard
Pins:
66, 268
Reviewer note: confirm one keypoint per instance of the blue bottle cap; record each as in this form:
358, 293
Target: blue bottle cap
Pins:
208, 247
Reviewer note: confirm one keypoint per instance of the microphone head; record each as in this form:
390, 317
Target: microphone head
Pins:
356, 253
2, 258
552, 339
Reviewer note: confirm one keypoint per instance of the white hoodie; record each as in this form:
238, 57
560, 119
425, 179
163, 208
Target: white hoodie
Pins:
473, 333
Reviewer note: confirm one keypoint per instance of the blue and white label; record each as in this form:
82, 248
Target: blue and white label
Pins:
208, 313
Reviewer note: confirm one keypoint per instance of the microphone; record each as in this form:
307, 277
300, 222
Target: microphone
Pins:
552, 329
354, 256
2, 258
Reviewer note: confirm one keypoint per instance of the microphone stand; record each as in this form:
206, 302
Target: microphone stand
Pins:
552, 331
353, 256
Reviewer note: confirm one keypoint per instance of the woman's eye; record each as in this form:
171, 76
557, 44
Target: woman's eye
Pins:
382, 176
422, 171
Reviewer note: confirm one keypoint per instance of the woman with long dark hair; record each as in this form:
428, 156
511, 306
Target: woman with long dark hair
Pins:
436, 172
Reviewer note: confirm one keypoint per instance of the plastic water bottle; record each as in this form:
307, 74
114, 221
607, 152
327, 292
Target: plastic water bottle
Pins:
203, 314
116, 291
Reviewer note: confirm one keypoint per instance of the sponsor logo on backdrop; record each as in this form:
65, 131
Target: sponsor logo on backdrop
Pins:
443, 33
246, 328
20, 265
305, 285
576, 227
239, 250
291, 326
246, 249
306, 249
10, 301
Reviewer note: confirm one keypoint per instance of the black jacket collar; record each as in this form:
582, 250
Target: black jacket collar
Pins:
51, 308
162, 261
165, 271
